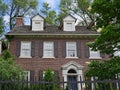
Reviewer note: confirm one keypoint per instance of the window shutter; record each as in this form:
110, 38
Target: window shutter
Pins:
56, 49
32, 48
18, 44
87, 52
64, 49
102, 55
40, 74
41, 49
56, 75
32, 75
78, 49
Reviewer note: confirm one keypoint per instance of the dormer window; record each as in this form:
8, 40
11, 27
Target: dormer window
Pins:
69, 23
69, 26
37, 23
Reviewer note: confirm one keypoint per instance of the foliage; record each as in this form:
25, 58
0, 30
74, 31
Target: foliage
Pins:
50, 15
20, 8
108, 19
81, 8
8, 68
104, 69
2, 11
50, 77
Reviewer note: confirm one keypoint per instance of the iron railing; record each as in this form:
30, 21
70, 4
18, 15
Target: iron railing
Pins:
21, 84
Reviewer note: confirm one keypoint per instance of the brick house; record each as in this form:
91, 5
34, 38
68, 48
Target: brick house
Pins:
63, 49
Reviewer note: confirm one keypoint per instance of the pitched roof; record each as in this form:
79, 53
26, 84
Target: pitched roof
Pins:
51, 30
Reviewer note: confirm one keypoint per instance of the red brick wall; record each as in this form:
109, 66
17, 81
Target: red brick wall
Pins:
36, 63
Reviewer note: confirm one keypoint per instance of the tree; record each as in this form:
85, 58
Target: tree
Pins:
104, 70
8, 68
19, 8
81, 8
50, 15
50, 76
2, 11
108, 19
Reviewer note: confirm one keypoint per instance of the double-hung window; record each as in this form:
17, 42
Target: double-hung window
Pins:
48, 50
25, 75
25, 49
94, 54
71, 49
117, 50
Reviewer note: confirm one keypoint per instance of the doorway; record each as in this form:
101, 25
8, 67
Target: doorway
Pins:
72, 80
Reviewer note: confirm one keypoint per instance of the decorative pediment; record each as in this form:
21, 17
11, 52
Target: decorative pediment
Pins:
72, 64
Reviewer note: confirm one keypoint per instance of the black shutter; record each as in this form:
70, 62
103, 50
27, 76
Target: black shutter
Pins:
64, 49
40, 74
18, 44
41, 49
102, 55
56, 75
56, 49
32, 48
78, 49
87, 52
32, 75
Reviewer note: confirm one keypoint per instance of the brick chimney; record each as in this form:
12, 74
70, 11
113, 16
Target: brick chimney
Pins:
19, 21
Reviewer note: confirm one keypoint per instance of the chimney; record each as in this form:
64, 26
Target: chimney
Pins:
19, 21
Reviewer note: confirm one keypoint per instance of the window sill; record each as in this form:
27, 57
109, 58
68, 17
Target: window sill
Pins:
47, 57
72, 57
25, 57
95, 58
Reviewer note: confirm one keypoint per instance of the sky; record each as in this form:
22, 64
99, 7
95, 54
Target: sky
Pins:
54, 4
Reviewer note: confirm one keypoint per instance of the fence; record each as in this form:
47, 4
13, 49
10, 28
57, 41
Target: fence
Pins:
21, 84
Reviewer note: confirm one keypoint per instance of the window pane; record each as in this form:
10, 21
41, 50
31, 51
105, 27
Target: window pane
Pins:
94, 54
48, 49
25, 49
71, 49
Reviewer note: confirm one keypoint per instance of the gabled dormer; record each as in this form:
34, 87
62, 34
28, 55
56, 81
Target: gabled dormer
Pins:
69, 23
37, 23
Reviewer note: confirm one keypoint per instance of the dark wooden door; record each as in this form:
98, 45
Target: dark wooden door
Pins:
72, 83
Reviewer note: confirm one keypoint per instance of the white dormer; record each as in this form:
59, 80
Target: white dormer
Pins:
69, 23
37, 23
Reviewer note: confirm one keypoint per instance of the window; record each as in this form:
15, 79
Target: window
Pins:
71, 49
94, 54
69, 26
117, 50
37, 25
48, 51
25, 49
25, 75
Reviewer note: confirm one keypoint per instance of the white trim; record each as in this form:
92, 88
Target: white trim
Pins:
21, 54
72, 65
52, 49
47, 57
68, 49
72, 57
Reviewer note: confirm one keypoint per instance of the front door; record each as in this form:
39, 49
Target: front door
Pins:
72, 83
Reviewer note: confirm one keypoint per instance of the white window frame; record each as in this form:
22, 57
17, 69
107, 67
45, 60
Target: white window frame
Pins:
117, 52
94, 54
69, 44
25, 75
49, 50
69, 26
21, 50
